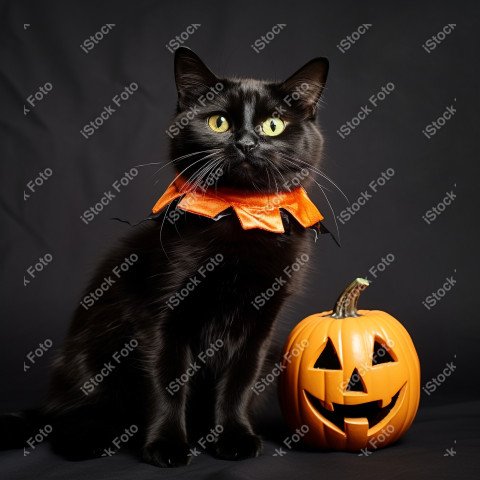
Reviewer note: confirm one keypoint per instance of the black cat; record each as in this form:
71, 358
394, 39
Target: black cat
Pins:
171, 343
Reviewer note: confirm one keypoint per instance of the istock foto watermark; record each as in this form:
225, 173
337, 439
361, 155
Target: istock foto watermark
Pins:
93, 40
108, 195
365, 196
262, 383
374, 101
366, 367
37, 267
435, 40
380, 267
108, 367
89, 300
178, 40
289, 99
37, 182
289, 442
120, 440
210, 437
435, 297
261, 42
192, 282
437, 381
376, 441
39, 437
450, 452
118, 101
33, 355
293, 182
174, 215
261, 299
175, 128
175, 385
433, 213
346, 43
436, 125
37, 96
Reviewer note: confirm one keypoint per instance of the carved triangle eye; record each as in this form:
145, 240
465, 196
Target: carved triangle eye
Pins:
328, 359
382, 353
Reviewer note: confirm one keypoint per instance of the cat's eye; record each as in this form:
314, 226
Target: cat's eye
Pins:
273, 126
218, 123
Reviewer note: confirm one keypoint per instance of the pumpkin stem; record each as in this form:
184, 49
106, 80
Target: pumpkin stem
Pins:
346, 305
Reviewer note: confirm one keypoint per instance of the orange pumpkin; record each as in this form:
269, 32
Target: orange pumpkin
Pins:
351, 379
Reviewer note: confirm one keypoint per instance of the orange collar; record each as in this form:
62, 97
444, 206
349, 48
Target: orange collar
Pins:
254, 210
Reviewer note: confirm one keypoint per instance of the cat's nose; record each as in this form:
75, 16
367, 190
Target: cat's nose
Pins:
246, 143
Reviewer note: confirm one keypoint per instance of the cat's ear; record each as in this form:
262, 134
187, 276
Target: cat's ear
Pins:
192, 76
304, 88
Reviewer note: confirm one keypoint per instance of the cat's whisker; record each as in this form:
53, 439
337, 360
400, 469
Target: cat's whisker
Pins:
276, 184
196, 179
224, 160
214, 150
277, 190
191, 180
270, 162
214, 165
269, 181
183, 171
166, 211
278, 170
317, 171
331, 209
322, 189
205, 169
196, 153
161, 229
174, 160
309, 168
296, 160
190, 166
256, 187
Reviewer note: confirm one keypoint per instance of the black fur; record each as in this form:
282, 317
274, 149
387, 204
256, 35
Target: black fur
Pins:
166, 256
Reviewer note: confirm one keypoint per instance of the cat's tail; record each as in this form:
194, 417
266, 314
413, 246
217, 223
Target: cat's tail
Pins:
18, 427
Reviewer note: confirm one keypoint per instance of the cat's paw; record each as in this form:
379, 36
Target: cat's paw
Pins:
167, 453
237, 446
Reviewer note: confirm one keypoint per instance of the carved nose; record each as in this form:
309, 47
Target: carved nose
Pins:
355, 383
246, 143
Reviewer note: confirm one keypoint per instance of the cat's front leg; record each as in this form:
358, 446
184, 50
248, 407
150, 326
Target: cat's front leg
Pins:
233, 398
166, 437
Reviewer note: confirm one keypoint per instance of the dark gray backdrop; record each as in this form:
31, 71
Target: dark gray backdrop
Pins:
40, 43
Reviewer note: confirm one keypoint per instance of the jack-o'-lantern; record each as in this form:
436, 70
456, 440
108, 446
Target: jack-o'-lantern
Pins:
351, 378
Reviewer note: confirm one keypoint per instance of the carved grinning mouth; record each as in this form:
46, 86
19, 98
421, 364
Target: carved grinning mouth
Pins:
372, 411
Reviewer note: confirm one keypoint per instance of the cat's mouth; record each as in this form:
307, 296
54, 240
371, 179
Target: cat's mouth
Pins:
249, 168
247, 165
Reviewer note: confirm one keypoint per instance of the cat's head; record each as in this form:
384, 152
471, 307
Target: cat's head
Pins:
244, 133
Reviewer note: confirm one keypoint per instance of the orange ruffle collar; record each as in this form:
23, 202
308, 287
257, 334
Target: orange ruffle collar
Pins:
254, 210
